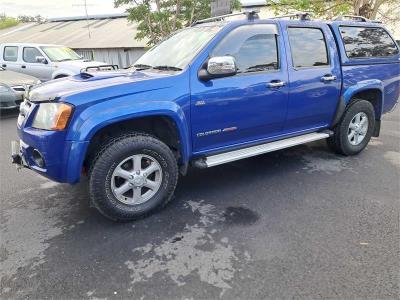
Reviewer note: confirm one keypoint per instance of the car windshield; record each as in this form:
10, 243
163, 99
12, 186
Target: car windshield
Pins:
60, 53
177, 51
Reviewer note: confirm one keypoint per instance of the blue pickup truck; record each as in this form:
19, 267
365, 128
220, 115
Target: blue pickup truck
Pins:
224, 89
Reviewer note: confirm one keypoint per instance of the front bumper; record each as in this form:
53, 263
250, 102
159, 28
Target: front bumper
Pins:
62, 160
59, 159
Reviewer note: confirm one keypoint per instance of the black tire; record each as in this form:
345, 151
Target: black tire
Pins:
111, 156
339, 142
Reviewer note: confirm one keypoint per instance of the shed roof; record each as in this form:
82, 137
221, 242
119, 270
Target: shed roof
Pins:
105, 32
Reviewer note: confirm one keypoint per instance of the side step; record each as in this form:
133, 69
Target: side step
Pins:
218, 159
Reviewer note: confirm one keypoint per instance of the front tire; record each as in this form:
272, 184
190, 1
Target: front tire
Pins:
132, 176
355, 129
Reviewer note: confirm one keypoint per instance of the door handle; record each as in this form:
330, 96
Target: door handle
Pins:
4, 65
276, 84
23, 67
328, 77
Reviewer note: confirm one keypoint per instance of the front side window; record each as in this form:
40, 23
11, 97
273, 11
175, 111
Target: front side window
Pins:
254, 48
362, 42
56, 53
308, 47
10, 53
179, 49
29, 54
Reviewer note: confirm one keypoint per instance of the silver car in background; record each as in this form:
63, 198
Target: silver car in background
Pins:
13, 86
43, 61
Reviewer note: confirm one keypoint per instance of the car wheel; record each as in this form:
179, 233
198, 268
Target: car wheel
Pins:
355, 129
132, 177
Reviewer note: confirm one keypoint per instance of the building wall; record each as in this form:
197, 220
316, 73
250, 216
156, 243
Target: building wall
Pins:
123, 57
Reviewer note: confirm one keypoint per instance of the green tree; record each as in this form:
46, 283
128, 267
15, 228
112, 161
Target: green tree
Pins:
366, 8
157, 19
25, 18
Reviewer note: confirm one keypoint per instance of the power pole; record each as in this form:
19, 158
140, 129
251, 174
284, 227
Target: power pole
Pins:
86, 13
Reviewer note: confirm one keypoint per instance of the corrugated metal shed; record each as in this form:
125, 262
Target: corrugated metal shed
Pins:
112, 37
105, 32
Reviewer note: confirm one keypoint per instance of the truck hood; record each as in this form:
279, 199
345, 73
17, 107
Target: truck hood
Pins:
106, 85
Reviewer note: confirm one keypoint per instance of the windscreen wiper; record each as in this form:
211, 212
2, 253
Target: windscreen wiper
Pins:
167, 68
142, 67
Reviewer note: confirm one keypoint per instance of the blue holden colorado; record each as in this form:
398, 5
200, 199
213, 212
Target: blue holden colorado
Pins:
221, 90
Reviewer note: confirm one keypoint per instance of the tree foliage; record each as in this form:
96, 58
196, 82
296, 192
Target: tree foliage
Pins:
6, 22
25, 18
366, 8
157, 19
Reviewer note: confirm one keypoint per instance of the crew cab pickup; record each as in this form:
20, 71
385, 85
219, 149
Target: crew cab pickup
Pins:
43, 61
221, 90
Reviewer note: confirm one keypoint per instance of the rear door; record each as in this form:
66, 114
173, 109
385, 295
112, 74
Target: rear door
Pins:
314, 76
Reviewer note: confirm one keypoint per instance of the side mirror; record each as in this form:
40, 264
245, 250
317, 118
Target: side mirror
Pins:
219, 66
41, 60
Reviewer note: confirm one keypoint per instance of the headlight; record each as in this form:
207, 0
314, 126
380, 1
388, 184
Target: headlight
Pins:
52, 116
4, 89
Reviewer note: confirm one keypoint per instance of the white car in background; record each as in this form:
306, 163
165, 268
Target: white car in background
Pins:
43, 61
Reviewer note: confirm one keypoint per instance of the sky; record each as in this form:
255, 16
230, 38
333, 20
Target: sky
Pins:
59, 8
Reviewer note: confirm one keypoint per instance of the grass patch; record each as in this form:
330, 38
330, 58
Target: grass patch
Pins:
8, 22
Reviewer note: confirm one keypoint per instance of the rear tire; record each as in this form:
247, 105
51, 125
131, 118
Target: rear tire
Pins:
132, 176
355, 129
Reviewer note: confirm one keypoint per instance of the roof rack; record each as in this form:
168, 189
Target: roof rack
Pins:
351, 17
354, 18
251, 14
302, 15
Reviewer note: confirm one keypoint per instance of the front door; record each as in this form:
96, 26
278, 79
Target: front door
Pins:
314, 76
32, 67
249, 106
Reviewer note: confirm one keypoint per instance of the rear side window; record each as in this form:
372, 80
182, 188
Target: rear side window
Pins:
308, 47
367, 42
10, 53
30, 53
253, 47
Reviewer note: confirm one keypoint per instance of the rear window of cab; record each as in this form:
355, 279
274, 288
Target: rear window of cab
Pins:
367, 42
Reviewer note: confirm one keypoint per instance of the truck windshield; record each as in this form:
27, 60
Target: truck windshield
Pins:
60, 53
176, 52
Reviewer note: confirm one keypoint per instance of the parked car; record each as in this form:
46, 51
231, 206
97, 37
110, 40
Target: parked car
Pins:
13, 86
213, 93
43, 61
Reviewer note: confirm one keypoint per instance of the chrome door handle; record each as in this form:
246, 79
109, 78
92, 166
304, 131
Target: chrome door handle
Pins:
275, 84
328, 78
